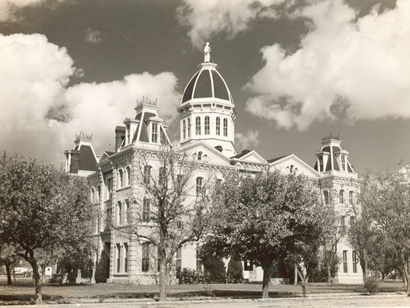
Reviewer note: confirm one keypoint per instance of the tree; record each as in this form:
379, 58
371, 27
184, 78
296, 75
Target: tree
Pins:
263, 217
43, 210
385, 201
174, 204
234, 274
7, 257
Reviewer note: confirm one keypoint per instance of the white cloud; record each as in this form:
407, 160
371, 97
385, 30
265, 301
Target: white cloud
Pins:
206, 18
92, 36
249, 140
40, 114
9, 7
357, 67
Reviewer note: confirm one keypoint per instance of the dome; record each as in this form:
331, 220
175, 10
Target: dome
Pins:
207, 83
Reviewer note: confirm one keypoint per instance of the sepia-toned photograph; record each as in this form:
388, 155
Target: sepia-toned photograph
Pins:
205, 153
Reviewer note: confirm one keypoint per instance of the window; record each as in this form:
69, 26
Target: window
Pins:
218, 126
248, 265
183, 129
226, 127
198, 260
326, 197
344, 261
98, 194
162, 177
343, 223
119, 213
154, 133
125, 257
128, 176
207, 126
199, 183
147, 174
109, 188
179, 262
343, 163
354, 261
107, 218
120, 178
341, 196
127, 216
351, 221
145, 257
118, 258
189, 128
128, 134
199, 155
146, 210
351, 197
198, 125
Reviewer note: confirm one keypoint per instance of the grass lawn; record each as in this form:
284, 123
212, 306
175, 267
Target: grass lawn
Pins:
22, 291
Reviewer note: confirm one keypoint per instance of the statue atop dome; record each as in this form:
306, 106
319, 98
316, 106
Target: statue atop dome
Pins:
207, 52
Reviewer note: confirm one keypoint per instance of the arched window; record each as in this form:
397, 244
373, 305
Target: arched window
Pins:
351, 197
226, 127
218, 126
199, 155
183, 129
198, 125
326, 197
189, 128
146, 210
128, 176
119, 213
207, 125
121, 178
199, 183
341, 196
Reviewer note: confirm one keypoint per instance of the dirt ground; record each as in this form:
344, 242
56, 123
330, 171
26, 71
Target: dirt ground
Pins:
22, 292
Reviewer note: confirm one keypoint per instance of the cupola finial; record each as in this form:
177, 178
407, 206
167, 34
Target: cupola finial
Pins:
207, 53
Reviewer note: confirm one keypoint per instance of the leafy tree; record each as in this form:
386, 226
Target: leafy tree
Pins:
176, 208
263, 217
7, 258
43, 210
235, 270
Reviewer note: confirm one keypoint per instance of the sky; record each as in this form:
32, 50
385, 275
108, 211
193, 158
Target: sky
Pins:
297, 70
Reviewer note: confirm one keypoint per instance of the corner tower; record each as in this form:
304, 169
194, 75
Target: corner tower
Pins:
206, 112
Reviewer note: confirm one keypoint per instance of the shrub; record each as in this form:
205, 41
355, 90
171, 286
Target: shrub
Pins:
190, 276
371, 283
235, 271
101, 271
214, 269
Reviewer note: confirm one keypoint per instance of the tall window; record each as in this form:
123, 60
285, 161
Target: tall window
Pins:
344, 261
351, 197
145, 257
125, 257
183, 129
226, 127
119, 213
121, 178
127, 217
179, 262
154, 133
343, 223
343, 163
199, 183
198, 260
108, 213
218, 126
341, 196
118, 258
198, 125
146, 210
189, 128
354, 261
326, 197
98, 193
207, 128
128, 176
109, 187
147, 174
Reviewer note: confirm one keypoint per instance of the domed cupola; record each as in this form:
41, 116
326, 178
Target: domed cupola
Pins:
207, 111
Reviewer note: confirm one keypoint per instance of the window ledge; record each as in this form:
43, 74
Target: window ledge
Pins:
124, 188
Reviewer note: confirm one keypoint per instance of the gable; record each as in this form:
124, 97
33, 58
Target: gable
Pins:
292, 163
205, 154
252, 157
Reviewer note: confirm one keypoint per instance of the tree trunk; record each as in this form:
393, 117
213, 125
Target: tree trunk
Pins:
162, 280
267, 271
329, 275
8, 270
295, 279
406, 276
37, 282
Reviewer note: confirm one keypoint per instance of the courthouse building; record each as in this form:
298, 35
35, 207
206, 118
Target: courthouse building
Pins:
207, 131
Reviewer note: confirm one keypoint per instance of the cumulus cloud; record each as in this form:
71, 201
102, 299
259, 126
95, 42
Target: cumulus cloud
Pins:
40, 113
8, 8
249, 140
206, 18
92, 36
346, 66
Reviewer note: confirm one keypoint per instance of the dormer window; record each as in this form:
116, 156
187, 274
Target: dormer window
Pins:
128, 134
154, 132
226, 127
207, 125
343, 163
189, 128
183, 129
198, 126
218, 126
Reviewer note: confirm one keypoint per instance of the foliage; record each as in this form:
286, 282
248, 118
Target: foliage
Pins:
371, 283
234, 274
214, 268
265, 217
190, 276
101, 271
44, 212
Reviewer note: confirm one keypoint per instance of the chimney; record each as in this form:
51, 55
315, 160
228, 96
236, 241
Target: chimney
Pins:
119, 136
